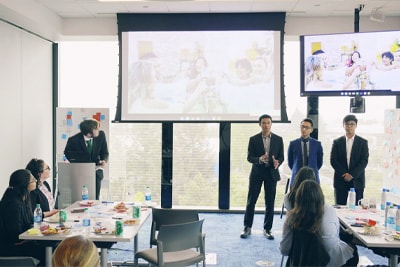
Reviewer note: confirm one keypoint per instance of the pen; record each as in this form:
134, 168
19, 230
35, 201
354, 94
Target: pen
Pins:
117, 218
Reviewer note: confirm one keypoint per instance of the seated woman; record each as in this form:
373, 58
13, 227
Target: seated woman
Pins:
305, 173
42, 194
310, 213
76, 251
16, 217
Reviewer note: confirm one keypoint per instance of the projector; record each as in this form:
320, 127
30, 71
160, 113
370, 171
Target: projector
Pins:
377, 16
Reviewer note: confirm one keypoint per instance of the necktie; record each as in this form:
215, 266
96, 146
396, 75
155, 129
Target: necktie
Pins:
89, 146
305, 153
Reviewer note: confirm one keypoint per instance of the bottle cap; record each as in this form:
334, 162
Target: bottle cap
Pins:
352, 189
388, 203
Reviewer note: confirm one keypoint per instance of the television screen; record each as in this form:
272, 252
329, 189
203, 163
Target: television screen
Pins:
350, 64
200, 67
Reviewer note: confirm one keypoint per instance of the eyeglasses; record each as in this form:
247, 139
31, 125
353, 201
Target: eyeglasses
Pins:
351, 124
305, 127
47, 168
33, 181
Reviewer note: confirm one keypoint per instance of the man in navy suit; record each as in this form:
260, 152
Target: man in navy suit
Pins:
349, 158
90, 138
300, 146
265, 153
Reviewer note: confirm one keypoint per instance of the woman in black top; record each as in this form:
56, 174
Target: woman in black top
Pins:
16, 217
42, 194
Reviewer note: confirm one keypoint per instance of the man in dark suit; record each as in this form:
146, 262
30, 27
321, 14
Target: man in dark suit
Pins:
92, 141
265, 153
305, 151
349, 158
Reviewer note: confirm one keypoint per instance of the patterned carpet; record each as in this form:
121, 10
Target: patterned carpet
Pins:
225, 248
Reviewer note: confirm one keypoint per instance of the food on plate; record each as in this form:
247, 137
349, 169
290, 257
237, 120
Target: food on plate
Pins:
120, 207
50, 231
33, 231
371, 230
44, 227
130, 222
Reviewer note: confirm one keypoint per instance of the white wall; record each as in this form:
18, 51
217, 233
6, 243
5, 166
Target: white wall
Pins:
25, 100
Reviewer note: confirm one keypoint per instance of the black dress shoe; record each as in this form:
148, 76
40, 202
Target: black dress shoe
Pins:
246, 232
268, 235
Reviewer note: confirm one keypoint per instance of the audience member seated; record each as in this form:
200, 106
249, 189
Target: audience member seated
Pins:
42, 194
16, 217
305, 173
310, 213
76, 251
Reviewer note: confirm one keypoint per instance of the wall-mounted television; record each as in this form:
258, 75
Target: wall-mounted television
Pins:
350, 64
200, 67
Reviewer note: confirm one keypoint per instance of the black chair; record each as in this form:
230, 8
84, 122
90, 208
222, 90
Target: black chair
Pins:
177, 245
19, 261
307, 250
167, 217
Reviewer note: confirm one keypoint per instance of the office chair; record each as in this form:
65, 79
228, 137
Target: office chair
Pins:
19, 261
177, 245
169, 216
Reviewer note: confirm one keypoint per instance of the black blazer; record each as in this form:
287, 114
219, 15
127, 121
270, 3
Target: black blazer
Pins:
37, 197
358, 161
99, 149
256, 150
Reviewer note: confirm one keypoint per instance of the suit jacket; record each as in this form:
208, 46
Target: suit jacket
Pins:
256, 150
99, 148
358, 161
295, 157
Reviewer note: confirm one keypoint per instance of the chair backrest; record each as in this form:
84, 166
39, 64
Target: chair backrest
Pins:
176, 237
169, 216
307, 250
19, 261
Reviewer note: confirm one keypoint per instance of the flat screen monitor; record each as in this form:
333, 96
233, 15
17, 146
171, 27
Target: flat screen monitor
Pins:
350, 64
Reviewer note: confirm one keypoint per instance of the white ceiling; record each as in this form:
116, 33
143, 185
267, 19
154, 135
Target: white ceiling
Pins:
97, 9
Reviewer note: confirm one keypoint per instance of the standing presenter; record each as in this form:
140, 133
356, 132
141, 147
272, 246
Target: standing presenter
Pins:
93, 141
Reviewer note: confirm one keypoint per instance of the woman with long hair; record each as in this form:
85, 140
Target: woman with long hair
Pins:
310, 213
42, 194
16, 217
305, 173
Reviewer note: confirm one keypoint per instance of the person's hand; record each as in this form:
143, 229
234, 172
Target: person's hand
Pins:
347, 177
51, 213
102, 163
264, 158
275, 161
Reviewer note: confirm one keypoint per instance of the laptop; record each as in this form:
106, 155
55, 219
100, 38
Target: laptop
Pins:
78, 157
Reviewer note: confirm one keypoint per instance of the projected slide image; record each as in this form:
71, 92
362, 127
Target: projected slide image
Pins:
205, 75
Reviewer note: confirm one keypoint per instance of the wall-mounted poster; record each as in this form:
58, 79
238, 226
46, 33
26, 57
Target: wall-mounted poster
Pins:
391, 160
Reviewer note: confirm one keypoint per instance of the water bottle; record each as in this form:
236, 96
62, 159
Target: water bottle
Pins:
392, 218
383, 198
398, 220
37, 216
85, 193
387, 207
352, 199
148, 196
86, 221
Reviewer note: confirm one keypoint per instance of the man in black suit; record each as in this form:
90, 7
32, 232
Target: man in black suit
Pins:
349, 158
90, 138
265, 152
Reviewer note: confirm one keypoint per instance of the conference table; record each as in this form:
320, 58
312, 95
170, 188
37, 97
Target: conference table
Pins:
383, 240
101, 214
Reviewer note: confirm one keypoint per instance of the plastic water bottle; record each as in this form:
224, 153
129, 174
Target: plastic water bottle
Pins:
37, 216
86, 221
352, 199
148, 196
85, 193
387, 208
398, 220
392, 218
383, 198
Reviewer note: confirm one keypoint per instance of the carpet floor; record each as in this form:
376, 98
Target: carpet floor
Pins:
225, 248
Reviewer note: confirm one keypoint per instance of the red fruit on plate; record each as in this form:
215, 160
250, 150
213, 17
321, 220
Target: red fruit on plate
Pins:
44, 227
